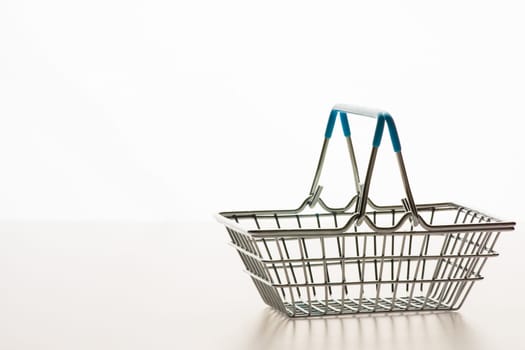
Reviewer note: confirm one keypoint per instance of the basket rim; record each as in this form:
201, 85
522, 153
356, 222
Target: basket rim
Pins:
426, 228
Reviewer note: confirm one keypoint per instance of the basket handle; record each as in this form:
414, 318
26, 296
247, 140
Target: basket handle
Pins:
381, 117
342, 110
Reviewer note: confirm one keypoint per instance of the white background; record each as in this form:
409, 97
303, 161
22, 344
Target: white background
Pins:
152, 110
164, 112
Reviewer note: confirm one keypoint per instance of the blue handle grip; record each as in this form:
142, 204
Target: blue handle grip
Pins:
331, 123
382, 117
380, 126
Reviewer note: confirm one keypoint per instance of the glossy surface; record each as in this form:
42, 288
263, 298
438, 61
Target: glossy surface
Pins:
178, 286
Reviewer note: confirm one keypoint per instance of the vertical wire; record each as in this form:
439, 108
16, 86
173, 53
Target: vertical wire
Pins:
340, 251
392, 253
357, 252
427, 237
272, 294
326, 278
375, 247
409, 253
448, 261
480, 268
450, 236
306, 255
292, 299
470, 262
270, 256
399, 264
344, 291
458, 263
305, 276
436, 271
287, 256
379, 280
324, 256
420, 260
325, 268
362, 277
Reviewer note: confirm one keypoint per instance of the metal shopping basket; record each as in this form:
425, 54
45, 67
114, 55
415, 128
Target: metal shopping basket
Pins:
364, 257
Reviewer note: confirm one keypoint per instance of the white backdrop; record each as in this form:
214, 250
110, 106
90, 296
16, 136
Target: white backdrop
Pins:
124, 125
163, 110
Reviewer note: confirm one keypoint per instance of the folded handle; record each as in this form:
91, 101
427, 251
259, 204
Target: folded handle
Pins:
380, 115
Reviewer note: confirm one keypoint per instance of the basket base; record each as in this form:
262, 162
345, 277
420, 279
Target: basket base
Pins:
335, 307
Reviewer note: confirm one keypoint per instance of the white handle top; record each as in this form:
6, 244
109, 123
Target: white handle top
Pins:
367, 112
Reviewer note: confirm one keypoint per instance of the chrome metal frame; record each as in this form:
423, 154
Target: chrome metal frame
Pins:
350, 273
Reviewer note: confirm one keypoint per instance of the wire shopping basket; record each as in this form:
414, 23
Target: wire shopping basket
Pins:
364, 257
